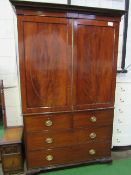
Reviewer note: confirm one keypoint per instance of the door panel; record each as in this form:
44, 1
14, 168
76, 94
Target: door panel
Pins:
47, 64
94, 64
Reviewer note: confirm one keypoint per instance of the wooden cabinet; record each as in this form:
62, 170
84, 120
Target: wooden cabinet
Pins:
68, 57
12, 151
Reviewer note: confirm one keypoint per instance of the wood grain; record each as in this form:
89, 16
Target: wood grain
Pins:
103, 118
68, 155
94, 64
68, 60
46, 85
37, 122
37, 141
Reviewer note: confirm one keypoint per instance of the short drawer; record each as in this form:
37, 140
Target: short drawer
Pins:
68, 155
47, 122
36, 141
94, 118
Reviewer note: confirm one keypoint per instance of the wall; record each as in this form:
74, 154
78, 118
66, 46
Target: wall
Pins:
9, 73
8, 67
122, 118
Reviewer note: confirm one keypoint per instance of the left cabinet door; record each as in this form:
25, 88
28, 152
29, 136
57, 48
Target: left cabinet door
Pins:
45, 45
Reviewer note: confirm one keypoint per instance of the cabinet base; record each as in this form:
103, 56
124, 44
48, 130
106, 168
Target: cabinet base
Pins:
38, 170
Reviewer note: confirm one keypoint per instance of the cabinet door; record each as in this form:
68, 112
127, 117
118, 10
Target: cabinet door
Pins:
45, 63
95, 53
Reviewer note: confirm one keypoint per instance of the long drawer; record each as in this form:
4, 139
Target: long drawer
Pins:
41, 140
58, 156
68, 121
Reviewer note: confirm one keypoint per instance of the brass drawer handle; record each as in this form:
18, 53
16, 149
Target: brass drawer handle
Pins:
93, 119
92, 152
93, 135
49, 140
48, 123
49, 158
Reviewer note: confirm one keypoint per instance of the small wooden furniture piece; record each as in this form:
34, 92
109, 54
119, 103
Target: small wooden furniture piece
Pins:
68, 60
2, 105
11, 150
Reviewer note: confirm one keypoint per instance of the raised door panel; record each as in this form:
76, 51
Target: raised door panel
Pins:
45, 63
95, 64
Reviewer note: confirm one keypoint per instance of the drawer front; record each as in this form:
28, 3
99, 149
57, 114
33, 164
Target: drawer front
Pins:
73, 154
93, 119
12, 162
36, 141
47, 122
14, 148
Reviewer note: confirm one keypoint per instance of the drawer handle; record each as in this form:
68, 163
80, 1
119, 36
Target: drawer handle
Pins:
49, 158
93, 135
48, 123
93, 119
49, 140
92, 152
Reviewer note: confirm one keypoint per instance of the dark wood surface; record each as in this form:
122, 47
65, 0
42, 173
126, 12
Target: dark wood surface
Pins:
3, 118
47, 82
12, 163
102, 160
68, 155
93, 73
103, 118
37, 122
38, 140
68, 60
11, 150
68, 121
75, 78
62, 7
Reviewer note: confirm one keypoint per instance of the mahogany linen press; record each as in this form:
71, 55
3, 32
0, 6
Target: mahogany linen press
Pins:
68, 61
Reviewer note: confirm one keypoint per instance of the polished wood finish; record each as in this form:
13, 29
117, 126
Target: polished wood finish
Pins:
79, 153
62, 7
11, 150
68, 121
43, 88
94, 66
103, 118
68, 58
38, 122
37, 141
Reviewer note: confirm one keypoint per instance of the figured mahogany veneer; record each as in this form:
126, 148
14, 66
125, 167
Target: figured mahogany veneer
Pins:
68, 121
42, 140
103, 118
68, 60
68, 155
38, 122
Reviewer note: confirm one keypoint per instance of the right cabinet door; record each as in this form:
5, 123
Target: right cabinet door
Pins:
95, 52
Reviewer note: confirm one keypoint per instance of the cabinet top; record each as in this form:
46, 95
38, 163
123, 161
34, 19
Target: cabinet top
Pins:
24, 4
